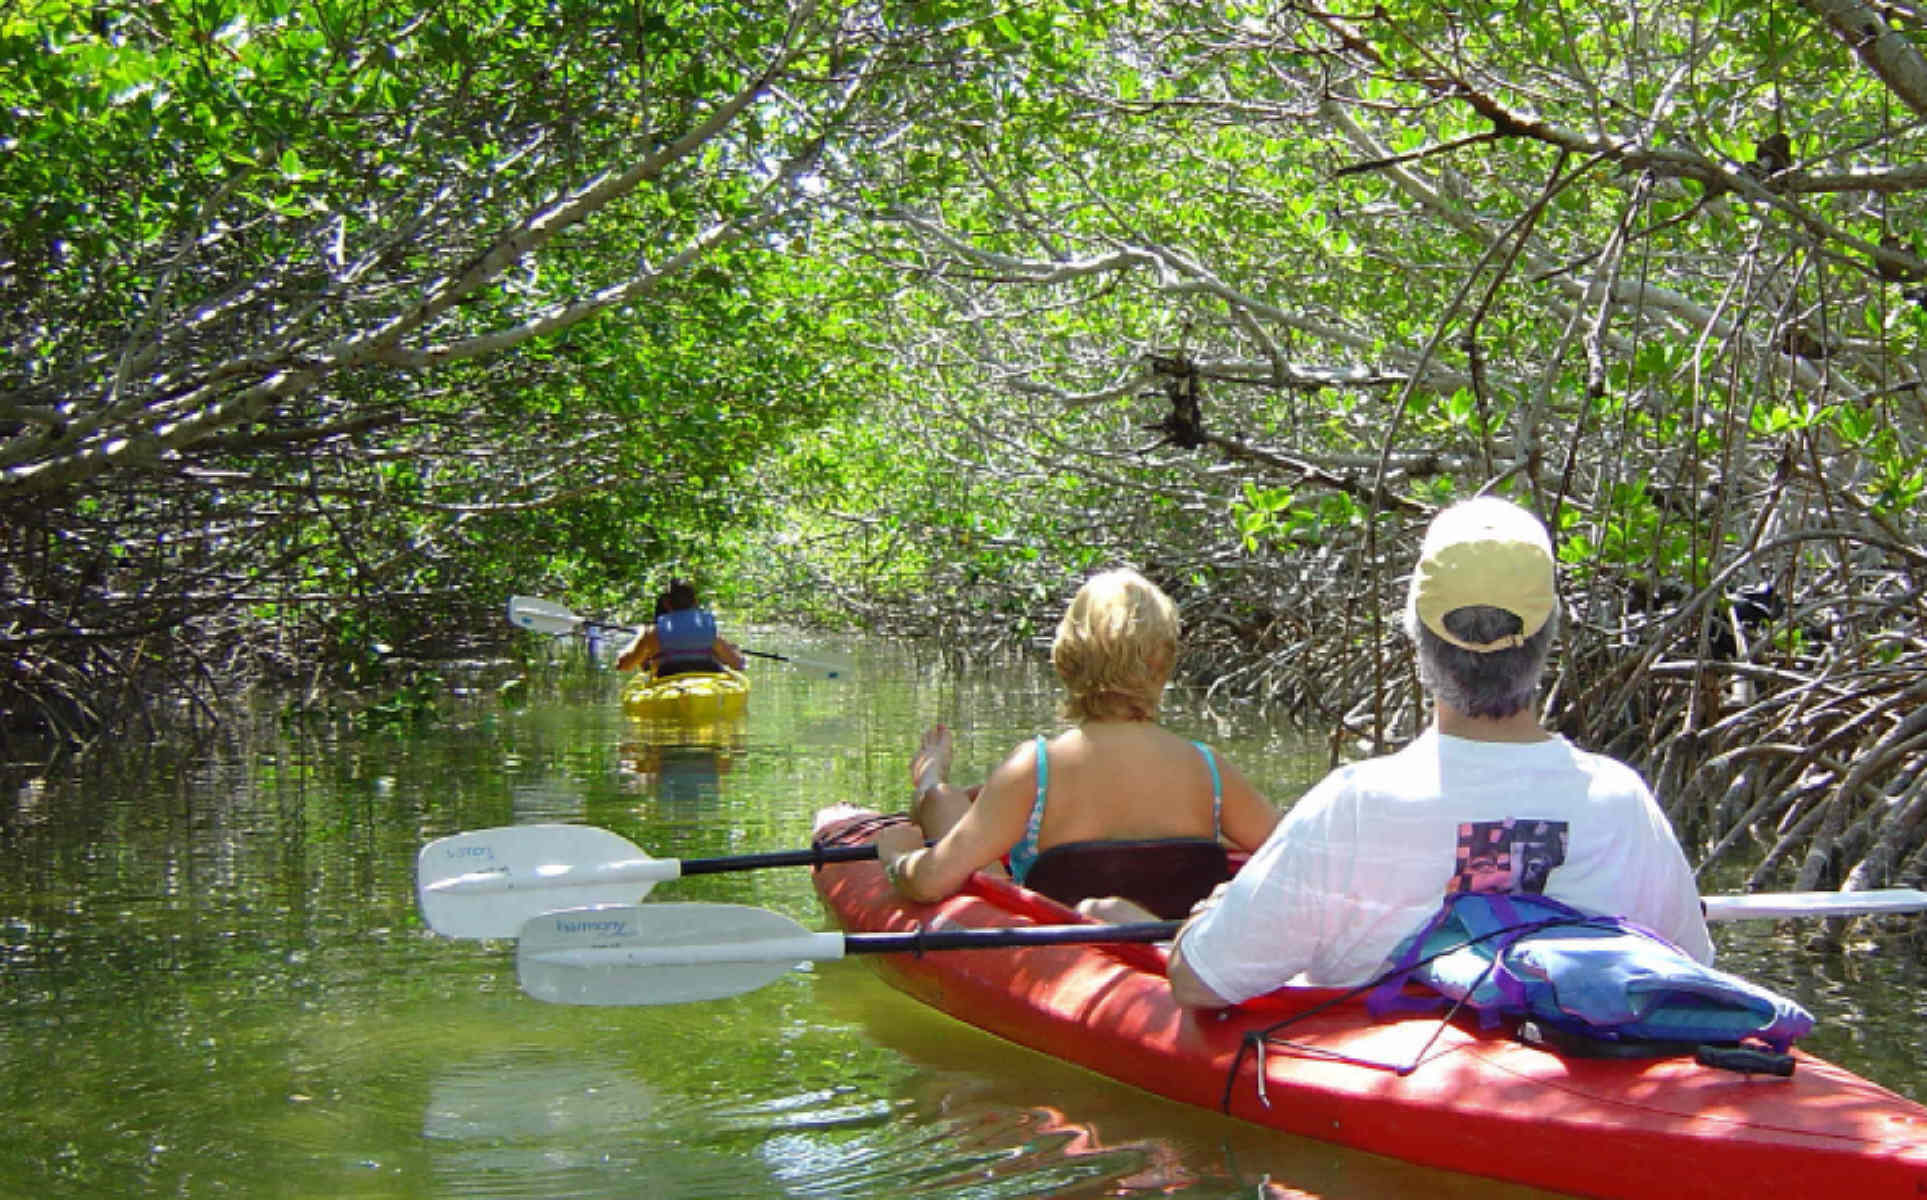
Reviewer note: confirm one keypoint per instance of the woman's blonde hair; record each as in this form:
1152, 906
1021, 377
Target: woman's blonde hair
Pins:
1115, 648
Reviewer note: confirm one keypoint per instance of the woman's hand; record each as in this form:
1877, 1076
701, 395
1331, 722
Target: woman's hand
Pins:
894, 844
895, 840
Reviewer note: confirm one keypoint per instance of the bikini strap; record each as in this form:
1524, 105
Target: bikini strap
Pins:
1024, 853
1217, 787
1043, 784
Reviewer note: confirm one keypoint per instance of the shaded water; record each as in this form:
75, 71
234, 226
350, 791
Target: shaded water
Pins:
216, 982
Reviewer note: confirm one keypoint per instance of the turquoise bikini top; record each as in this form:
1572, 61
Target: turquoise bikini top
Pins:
1024, 853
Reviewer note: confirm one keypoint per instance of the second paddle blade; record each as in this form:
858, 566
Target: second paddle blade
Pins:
661, 953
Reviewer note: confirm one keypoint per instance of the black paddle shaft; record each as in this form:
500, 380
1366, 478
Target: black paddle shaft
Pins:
815, 856
608, 625
997, 938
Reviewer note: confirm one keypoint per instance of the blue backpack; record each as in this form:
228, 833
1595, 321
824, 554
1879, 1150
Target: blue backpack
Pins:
1582, 983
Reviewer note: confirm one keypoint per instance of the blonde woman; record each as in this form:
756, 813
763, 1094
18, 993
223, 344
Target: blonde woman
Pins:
1115, 806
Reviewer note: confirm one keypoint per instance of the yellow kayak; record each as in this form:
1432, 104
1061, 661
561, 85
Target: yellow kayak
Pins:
696, 694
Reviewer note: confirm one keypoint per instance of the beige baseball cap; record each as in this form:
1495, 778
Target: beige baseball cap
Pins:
1485, 551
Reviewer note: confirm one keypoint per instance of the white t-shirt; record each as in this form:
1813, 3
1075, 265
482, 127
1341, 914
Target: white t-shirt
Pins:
1370, 853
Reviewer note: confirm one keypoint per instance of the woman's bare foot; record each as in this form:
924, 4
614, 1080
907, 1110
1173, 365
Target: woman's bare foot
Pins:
930, 765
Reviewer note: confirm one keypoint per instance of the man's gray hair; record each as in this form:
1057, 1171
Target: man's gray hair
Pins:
1495, 683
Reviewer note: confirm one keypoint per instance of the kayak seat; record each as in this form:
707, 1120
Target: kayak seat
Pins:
1165, 875
706, 667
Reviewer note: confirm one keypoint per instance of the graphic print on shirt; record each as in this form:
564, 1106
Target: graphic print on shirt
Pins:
1508, 856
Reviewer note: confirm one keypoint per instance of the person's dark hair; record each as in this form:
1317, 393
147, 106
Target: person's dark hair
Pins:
1495, 683
681, 595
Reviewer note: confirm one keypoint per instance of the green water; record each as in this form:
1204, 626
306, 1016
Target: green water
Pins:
216, 982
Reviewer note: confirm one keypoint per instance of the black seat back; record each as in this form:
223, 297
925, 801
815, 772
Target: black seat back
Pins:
1165, 875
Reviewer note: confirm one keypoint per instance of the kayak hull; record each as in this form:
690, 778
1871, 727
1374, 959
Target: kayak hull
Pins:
1477, 1102
696, 696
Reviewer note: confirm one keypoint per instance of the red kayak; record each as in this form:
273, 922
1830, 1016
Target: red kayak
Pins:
1478, 1102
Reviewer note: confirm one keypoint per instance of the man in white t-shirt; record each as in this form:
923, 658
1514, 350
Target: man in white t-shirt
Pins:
1484, 800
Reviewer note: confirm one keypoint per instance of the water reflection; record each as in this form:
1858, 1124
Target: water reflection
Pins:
536, 1123
682, 762
549, 798
496, 1099
216, 981
541, 1123
1005, 1121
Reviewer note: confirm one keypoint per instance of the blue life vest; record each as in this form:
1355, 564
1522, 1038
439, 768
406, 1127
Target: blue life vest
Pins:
685, 641
1605, 978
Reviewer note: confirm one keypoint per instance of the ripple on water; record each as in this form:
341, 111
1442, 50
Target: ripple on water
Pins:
974, 1116
559, 1122
546, 1123
992, 1154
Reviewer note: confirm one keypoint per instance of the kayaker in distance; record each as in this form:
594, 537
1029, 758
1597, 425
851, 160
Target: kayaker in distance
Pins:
1486, 799
1115, 805
682, 639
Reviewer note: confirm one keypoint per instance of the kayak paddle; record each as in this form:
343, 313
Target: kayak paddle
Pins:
678, 953
546, 616
828, 670
488, 882
1785, 905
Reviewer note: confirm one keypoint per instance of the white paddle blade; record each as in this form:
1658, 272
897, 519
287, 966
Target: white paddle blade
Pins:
661, 953
817, 667
541, 615
821, 669
488, 882
1776, 906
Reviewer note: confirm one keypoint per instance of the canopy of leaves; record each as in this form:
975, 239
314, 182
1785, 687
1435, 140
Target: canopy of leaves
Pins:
1242, 293
357, 319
